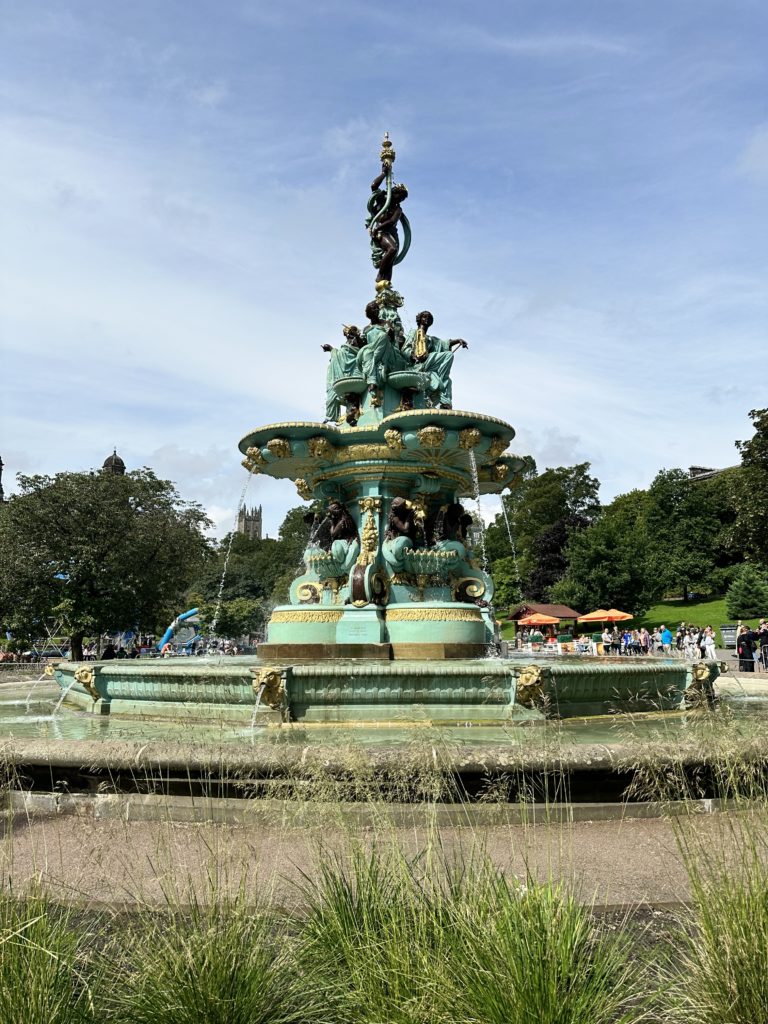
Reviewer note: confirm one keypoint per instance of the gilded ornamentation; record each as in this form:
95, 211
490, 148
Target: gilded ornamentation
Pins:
364, 452
469, 588
369, 535
320, 448
529, 691
469, 438
305, 615
250, 466
49, 671
431, 437
499, 471
254, 455
394, 439
419, 505
497, 447
87, 678
700, 691
269, 684
303, 489
309, 593
280, 447
433, 614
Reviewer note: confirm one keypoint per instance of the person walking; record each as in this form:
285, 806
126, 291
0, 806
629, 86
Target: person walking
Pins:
666, 640
762, 632
745, 648
688, 646
645, 641
708, 644
607, 639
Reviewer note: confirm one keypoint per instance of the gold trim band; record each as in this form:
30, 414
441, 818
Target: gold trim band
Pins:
433, 615
307, 615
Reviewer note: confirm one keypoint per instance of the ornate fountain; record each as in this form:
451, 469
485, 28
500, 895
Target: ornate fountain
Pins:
392, 615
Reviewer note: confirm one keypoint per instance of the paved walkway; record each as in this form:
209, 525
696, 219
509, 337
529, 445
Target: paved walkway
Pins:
115, 862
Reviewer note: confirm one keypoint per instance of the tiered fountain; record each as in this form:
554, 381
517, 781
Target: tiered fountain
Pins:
392, 617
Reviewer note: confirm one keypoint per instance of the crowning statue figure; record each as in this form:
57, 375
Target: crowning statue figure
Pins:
343, 363
434, 357
384, 215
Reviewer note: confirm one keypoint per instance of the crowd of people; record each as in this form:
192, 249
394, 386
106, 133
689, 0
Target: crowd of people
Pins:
752, 647
689, 641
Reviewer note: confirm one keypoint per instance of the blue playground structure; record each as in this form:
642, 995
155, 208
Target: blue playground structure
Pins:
187, 619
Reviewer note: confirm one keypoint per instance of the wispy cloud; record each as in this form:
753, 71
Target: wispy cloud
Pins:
211, 95
753, 162
472, 37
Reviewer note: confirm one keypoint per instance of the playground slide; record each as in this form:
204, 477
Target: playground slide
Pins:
174, 626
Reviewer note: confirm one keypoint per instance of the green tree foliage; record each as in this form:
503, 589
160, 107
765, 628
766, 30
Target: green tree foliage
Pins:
99, 550
610, 563
747, 596
544, 511
242, 616
752, 492
682, 525
259, 571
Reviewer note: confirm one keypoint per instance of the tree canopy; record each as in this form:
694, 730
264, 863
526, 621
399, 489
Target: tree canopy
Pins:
752, 493
543, 511
98, 551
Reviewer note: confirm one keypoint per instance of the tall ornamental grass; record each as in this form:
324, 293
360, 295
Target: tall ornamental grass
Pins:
721, 974
218, 961
44, 966
533, 955
394, 941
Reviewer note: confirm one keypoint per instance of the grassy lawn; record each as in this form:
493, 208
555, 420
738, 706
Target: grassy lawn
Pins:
701, 613
671, 613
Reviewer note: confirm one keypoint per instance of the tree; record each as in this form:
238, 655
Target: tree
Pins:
240, 617
99, 550
747, 596
609, 562
681, 525
752, 490
544, 510
257, 570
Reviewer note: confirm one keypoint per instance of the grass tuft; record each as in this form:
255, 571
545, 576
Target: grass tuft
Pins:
216, 961
43, 963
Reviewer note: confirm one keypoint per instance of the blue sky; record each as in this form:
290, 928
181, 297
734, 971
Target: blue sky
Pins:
183, 187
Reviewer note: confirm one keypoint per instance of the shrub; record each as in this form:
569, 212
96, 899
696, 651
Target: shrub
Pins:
747, 596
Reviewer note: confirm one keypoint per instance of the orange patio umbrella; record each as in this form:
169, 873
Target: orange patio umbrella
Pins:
601, 615
614, 615
537, 619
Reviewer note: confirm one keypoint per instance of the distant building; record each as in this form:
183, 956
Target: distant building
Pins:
113, 464
705, 473
249, 522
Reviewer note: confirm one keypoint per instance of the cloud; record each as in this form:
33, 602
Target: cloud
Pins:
753, 162
211, 95
545, 45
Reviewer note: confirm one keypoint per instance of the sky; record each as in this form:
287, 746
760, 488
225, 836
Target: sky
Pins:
182, 193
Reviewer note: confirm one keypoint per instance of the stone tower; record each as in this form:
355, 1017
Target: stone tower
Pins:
249, 522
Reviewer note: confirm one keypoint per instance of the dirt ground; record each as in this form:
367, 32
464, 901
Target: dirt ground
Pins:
614, 863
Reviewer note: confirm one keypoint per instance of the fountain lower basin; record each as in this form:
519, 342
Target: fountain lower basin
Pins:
478, 691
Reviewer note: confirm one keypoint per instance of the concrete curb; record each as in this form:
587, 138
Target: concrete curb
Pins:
300, 815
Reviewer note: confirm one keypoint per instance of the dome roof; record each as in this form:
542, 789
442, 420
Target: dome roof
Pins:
114, 464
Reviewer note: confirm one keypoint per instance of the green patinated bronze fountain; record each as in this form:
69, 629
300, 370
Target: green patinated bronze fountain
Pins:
392, 617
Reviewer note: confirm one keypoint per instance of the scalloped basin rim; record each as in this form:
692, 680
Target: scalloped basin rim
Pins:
414, 419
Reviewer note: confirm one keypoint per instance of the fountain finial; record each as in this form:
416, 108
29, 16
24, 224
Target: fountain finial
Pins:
385, 213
